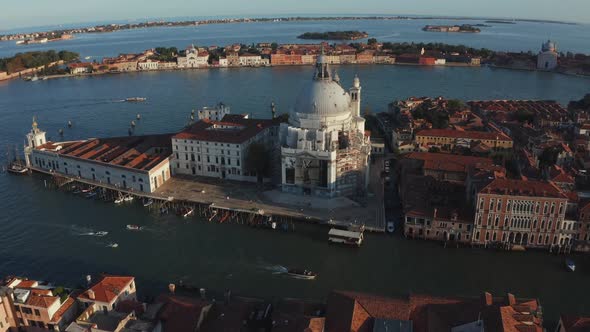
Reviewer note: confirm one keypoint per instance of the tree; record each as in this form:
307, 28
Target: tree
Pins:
258, 161
372, 41
274, 46
455, 105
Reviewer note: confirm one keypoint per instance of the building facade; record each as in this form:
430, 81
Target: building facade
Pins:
522, 212
324, 148
135, 163
547, 58
193, 59
449, 139
219, 148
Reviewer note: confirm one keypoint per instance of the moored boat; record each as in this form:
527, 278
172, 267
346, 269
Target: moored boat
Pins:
148, 202
128, 198
301, 274
133, 227
345, 237
119, 200
570, 265
113, 245
17, 168
186, 212
91, 194
101, 233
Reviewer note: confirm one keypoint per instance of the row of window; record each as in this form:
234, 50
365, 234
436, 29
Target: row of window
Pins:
209, 158
524, 239
26, 310
520, 206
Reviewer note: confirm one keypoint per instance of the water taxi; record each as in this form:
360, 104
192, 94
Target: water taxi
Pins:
301, 274
135, 99
340, 236
570, 265
17, 168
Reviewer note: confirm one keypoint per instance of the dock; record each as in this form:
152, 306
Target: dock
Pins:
243, 202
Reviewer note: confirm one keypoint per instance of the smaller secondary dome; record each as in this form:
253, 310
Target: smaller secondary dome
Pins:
549, 46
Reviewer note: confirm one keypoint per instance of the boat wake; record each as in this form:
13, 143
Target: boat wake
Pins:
276, 269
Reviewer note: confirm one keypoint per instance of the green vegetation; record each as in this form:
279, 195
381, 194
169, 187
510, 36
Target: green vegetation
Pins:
35, 59
455, 105
167, 54
438, 117
334, 35
401, 48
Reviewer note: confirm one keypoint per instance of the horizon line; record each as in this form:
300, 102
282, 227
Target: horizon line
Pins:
86, 24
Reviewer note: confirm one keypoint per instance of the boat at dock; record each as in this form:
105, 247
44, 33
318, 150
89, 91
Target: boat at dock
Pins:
135, 99
570, 265
133, 228
186, 212
128, 198
113, 245
301, 274
353, 238
119, 200
148, 202
17, 168
91, 194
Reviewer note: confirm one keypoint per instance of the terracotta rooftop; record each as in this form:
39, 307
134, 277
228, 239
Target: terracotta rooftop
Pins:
107, 289
452, 163
179, 313
533, 188
69, 302
41, 301
136, 152
575, 323
477, 135
232, 128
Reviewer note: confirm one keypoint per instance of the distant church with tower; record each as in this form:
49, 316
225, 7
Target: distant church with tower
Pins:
547, 58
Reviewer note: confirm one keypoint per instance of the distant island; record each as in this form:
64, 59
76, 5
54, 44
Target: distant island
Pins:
500, 22
452, 28
334, 35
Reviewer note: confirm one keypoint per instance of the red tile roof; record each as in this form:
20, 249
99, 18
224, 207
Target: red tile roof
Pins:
231, 129
63, 309
107, 289
533, 188
476, 135
41, 301
575, 323
181, 314
137, 152
452, 163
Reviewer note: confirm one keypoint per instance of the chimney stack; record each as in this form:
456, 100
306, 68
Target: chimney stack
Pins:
172, 288
91, 294
511, 299
488, 299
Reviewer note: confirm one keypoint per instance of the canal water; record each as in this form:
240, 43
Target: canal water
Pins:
42, 231
522, 36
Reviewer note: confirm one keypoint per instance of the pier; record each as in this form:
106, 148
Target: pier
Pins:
244, 203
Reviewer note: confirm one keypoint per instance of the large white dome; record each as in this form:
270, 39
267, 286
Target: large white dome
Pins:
322, 98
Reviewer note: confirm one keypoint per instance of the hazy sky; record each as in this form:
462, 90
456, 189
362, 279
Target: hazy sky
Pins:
25, 13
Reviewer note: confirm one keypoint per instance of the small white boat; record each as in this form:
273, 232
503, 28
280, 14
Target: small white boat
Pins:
133, 228
301, 274
101, 233
186, 212
570, 265
113, 245
148, 202
128, 198
135, 99
119, 200
34, 78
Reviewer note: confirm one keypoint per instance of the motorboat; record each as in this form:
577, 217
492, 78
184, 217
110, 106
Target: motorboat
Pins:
128, 198
186, 212
113, 245
119, 200
301, 274
135, 99
101, 233
390, 227
17, 168
570, 265
91, 194
133, 228
148, 202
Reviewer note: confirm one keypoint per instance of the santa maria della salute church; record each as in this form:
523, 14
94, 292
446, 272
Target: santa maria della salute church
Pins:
324, 147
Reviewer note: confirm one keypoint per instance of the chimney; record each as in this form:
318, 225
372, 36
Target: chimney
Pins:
172, 288
511, 299
488, 299
91, 294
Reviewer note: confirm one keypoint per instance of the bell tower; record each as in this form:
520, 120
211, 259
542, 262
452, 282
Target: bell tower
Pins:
34, 139
355, 96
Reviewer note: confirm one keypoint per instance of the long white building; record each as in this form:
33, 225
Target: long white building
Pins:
324, 148
135, 163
